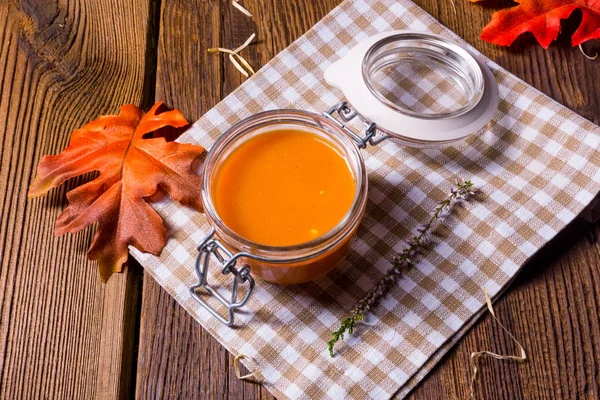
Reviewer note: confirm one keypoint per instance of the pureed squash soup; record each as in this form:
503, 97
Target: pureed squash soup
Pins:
284, 187
289, 188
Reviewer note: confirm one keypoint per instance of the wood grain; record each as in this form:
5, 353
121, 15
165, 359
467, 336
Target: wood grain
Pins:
63, 334
177, 357
558, 288
552, 308
553, 305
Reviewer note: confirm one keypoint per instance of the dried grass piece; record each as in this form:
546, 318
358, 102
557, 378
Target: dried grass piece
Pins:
454, 7
237, 60
237, 65
242, 47
246, 43
587, 55
475, 356
237, 5
258, 378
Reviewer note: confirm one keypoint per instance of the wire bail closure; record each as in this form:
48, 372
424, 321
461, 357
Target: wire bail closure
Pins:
346, 114
212, 246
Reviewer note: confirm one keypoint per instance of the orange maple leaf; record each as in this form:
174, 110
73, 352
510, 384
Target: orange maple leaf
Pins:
542, 18
132, 169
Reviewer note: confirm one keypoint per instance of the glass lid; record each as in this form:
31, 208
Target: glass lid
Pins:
423, 76
418, 87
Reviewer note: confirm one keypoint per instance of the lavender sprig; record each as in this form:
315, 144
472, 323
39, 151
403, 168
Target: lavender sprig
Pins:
400, 263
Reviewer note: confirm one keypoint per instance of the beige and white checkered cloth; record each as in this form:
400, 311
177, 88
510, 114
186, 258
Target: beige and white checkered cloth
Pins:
537, 166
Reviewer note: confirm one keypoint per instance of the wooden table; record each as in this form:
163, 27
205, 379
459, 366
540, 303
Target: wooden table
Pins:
64, 334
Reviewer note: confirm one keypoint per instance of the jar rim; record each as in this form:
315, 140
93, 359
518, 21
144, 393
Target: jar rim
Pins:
429, 47
301, 251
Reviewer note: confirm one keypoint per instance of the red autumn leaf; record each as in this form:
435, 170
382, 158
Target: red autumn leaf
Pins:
132, 169
542, 18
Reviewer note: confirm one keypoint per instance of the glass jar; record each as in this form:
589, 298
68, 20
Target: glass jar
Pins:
287, 264
306, 261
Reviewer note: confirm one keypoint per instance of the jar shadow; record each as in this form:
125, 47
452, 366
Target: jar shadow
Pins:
469, 157
335, 293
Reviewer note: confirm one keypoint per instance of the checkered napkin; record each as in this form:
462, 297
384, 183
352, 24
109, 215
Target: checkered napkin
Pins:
537, 166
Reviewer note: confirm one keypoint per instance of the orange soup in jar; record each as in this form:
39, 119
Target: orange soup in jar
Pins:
284, 187
289, 189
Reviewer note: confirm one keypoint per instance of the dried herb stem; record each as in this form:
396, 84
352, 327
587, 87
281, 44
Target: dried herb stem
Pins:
400, 263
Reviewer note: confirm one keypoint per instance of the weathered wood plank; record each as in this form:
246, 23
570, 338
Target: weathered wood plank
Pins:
63, 334
553, 309
177, 358
553, 305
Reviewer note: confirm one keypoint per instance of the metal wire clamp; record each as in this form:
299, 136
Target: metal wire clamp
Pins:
346, 114
212, 246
